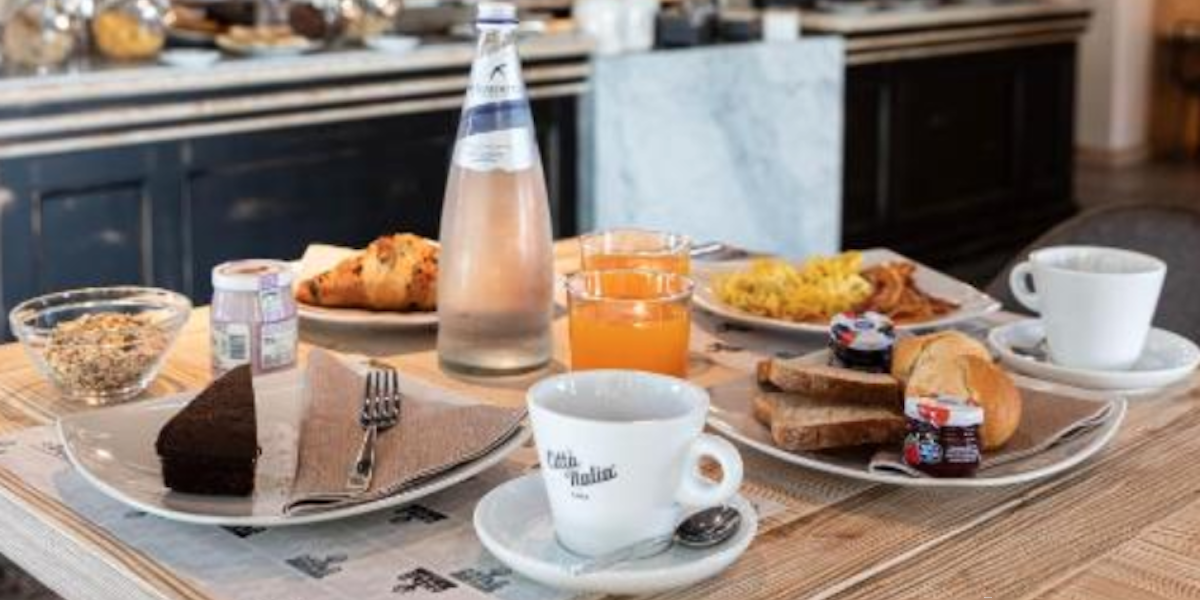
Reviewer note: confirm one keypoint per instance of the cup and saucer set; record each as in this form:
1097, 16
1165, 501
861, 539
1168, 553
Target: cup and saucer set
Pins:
1095, 308
619, 505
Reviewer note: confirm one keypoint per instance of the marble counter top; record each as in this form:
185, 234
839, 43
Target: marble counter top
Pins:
941, 17
230, 74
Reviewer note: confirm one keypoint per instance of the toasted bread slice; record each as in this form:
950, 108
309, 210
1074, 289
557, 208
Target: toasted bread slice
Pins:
832, 384
800, 424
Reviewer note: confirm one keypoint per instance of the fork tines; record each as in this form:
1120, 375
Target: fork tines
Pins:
381, 402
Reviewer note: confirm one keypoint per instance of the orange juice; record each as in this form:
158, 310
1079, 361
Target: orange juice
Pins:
621, 319
636, 249
671, 263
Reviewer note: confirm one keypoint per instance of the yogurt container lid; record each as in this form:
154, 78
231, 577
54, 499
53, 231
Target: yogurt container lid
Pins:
252, 275
862, 331
943, 410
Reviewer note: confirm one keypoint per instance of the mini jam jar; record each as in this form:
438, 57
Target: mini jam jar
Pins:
253, 317
862, 341
943, 435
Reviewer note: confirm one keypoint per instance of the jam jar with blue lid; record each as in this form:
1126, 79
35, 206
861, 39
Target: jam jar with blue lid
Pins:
862, 341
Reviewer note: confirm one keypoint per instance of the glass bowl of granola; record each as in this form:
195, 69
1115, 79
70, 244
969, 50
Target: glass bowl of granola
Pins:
100, 345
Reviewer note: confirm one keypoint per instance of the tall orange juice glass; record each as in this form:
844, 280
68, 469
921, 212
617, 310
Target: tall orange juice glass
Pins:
630, 319
636, 249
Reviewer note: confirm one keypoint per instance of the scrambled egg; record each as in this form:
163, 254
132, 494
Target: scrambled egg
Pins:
815, 291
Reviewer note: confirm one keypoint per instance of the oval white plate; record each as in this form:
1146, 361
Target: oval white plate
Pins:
513, 522
731, 414
1166, 359
189, 58
319, 258
971, 302
113, 448
393, 44
229, 44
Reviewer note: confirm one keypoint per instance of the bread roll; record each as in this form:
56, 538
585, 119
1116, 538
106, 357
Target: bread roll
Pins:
926, 351
969, 376
995, 391
951, 362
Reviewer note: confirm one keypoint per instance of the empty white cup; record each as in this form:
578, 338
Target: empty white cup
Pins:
1096, 303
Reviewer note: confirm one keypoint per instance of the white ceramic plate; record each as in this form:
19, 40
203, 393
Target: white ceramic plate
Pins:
971, 302
513, 522
731, 414
264, 50
189, 58
1167, 358
113, 448
319, 258
393, 44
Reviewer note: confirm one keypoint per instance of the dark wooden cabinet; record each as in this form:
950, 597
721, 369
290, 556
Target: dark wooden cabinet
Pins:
959, 160
164, 214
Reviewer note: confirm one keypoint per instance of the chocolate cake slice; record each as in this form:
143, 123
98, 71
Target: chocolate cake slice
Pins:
211, 446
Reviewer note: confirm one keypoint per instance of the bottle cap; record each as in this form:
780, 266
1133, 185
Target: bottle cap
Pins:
496, 12
252, 275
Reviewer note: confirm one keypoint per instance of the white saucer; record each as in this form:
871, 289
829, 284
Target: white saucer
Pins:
513, 523
1167, 358
189, 58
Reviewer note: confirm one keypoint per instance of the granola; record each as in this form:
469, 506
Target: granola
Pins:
104, 352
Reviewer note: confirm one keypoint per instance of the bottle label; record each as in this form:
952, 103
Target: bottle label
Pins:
496, 130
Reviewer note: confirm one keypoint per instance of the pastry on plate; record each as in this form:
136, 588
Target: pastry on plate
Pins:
395, 273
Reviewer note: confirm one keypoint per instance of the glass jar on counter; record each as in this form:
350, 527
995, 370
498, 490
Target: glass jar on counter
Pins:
368, 18
41, 34
130, 29
343, 21
253, 318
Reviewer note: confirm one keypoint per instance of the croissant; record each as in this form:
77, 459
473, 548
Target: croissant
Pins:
396, 272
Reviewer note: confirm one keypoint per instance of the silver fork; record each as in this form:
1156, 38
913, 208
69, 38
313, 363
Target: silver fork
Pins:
380, 411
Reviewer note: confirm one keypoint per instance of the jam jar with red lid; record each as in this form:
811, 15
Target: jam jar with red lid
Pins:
943, 435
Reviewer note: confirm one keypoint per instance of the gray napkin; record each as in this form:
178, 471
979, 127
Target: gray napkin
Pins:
1046, 421
434, 435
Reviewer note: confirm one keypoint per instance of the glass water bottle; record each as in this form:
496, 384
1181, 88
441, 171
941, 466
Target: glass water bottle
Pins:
495, 284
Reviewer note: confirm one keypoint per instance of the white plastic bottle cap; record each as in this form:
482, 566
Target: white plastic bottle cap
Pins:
497, 12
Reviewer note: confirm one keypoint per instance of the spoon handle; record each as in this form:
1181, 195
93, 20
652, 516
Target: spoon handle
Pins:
643, 549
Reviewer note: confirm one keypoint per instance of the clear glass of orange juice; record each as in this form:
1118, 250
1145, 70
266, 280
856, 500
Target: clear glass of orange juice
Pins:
630, 319
636, 249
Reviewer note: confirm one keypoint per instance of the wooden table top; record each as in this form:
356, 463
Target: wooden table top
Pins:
1123, 526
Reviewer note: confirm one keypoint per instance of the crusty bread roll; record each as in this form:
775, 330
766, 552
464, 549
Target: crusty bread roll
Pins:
995, 390
945, 369
926, 351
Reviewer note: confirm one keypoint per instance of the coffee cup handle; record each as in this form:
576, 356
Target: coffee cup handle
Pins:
700, 492
1018, 282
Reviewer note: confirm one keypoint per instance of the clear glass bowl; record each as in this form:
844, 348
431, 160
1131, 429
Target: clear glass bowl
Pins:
100, 345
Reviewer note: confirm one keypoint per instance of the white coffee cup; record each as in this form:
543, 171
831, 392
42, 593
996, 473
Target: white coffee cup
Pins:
620, 453
1096, 303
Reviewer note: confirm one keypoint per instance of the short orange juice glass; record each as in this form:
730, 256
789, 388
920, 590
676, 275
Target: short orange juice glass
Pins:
636, 249
630, 319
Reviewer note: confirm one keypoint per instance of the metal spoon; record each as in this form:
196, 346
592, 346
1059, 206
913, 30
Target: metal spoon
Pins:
1036, 352
705, 529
